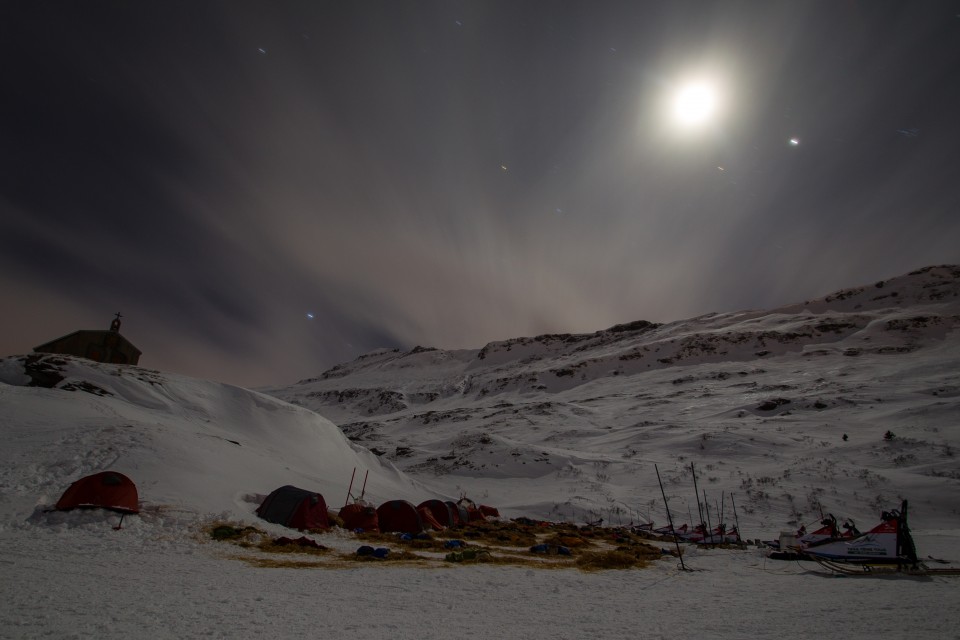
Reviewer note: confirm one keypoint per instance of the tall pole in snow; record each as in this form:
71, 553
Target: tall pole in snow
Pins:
709, 529
670, 519
736, 520
696, 493
720, 524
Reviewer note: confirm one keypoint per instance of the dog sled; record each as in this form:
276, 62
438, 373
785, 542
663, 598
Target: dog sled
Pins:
886, 549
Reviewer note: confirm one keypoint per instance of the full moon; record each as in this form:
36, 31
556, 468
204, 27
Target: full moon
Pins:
694, 104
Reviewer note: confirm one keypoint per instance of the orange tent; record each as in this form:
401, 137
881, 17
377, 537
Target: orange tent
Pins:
359, 516
439, 511
428, 520
105, 490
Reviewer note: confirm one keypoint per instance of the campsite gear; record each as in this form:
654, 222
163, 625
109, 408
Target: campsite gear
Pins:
400, 516
295, 508
467, 555
488, 511
550, 549
302, 541
104, 490
360, 516
350, 488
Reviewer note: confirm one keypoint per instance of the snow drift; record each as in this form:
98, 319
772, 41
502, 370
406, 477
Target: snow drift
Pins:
189, 445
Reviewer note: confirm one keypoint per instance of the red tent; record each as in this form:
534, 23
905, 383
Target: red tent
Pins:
360, 516
106, 490
399, 515
295, 508
439, 511
428, 520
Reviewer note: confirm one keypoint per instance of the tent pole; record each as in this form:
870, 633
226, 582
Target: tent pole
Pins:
347, 501
364, 490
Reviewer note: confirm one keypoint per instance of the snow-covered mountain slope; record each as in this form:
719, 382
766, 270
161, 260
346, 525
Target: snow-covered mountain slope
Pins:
190, 445
787, 409
565, 427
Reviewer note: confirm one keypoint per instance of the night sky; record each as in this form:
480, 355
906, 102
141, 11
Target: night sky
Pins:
265, 189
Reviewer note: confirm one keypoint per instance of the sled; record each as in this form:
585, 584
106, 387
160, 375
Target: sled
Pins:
887, 549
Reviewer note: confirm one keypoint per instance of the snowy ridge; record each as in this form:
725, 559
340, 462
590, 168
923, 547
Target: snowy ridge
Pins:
760, 400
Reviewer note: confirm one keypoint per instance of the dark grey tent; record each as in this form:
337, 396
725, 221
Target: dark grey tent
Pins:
295, 508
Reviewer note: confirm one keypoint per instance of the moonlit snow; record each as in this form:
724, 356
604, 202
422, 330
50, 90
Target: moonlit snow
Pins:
563, 427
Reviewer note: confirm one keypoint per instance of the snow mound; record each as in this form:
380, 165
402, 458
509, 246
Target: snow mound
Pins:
190, 445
